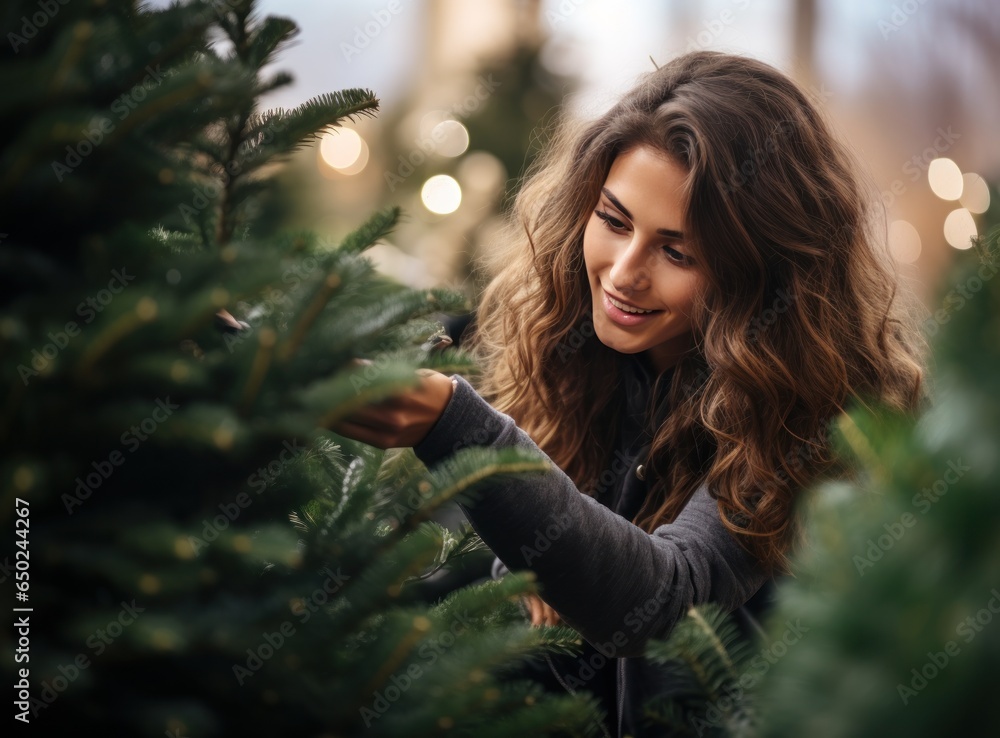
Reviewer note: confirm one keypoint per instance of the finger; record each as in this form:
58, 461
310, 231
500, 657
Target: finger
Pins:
526, 606
360, 419
225, 322
547, 613
375, 415
362, 433
365, 418
536, 611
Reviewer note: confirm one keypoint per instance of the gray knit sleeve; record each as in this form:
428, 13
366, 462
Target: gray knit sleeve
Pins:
498, 569
607, 578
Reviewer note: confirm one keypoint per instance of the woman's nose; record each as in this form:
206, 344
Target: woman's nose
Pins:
630, 272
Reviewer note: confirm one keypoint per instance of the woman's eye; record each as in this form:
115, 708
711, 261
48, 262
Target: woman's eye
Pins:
676, 256
609, 220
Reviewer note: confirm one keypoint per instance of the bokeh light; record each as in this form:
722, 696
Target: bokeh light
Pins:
431, 120
481, 171
441, 194
975, 193
451, 138
945, 179
959, 228
344, 150
904, 241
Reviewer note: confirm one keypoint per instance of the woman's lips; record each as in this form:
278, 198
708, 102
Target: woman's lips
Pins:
621, 317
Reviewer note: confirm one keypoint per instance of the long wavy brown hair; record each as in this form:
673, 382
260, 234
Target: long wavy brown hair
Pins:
800, 317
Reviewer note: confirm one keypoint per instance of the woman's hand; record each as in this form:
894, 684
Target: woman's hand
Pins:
403, 420
541, 613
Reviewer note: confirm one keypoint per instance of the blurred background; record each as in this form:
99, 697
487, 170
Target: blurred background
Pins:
470, 90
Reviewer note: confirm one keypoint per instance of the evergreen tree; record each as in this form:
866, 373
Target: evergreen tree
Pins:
204, 558
708, 692
897, 595
891, 622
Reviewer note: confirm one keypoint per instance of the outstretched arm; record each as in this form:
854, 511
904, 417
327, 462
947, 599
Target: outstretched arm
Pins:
613, 582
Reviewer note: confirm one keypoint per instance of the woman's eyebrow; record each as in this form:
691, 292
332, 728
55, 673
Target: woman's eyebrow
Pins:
617, 203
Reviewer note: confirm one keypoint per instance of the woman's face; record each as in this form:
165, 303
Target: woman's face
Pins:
635, 251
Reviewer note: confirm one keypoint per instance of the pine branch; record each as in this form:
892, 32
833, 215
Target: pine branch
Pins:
374, 230
280, 79
247, 616
709, 656
268, 38
305, 124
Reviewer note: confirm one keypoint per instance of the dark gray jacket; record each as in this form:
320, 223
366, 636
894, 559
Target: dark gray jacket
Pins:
607, 578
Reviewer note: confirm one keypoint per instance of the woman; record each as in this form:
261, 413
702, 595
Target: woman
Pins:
692, 294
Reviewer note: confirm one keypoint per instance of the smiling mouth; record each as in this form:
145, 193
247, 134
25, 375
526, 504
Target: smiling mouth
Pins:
625, 315
628, 308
